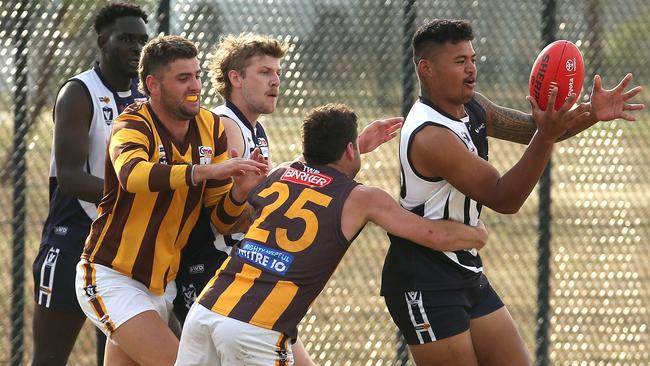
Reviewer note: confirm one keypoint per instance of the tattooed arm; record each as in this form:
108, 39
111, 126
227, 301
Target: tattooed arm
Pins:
505, 123
604, 105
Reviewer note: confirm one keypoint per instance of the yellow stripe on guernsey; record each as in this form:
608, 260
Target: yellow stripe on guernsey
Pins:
232, 294
275, 304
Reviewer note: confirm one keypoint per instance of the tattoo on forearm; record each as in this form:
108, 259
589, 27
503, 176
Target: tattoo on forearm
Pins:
507, 124
512, 125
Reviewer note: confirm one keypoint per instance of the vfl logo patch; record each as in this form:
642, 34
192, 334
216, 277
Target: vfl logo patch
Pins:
108, 114
413, 298
91, 292
311, 179
283, 356
274, 260
51, 257
189, 295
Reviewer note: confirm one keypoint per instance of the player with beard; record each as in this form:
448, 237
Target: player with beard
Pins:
83, 116
167, 160
246, 72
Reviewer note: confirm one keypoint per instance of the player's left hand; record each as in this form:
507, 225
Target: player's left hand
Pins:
378, 132
609, 104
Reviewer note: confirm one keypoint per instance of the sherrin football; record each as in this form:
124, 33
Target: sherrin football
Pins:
560, 62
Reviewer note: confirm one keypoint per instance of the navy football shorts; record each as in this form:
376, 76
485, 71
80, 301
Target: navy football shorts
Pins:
193, 275
427, 316
54, 279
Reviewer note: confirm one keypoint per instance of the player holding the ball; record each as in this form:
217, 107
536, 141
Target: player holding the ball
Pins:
441, 301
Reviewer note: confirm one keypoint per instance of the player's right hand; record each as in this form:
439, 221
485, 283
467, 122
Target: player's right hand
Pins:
552, 124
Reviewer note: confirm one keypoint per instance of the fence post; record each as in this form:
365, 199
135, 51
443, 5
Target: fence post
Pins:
162, 14
544, 216
408, 89
21, 40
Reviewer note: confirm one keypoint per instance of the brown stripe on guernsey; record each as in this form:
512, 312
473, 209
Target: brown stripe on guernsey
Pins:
230, 297
223, 216
275, 304
126, 169
193, 200
109, 242
144, 260
159, 178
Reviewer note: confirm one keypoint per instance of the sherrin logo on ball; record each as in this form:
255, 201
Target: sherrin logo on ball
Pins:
561, 63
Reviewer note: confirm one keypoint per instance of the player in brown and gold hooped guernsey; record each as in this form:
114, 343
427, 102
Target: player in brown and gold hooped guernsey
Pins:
305, 217
166, 160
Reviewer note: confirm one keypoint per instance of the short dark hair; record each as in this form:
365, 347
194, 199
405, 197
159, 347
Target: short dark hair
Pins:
326, 131
113, 11
438, 32
160, 52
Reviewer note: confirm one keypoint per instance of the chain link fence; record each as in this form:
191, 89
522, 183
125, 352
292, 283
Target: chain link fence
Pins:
354, 52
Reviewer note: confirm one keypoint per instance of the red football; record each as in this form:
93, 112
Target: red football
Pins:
560, 62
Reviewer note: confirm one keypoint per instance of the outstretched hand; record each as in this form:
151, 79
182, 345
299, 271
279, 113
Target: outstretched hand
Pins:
378, 132
552, 124
609, 104
248, 179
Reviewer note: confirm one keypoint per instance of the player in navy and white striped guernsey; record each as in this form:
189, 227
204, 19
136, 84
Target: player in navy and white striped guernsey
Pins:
441, 301
84, 111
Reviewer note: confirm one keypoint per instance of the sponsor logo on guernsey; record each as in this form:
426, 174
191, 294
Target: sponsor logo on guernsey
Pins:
205, 154
309, 177
105, 99
274, 260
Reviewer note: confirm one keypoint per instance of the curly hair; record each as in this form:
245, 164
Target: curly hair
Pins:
113, 11
235, 53
326, 131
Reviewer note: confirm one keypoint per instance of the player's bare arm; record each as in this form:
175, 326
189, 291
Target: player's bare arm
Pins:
373, 204
233, 135
505, 123
437, 152
73, 113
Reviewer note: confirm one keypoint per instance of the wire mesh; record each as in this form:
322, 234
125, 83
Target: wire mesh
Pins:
351, 52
